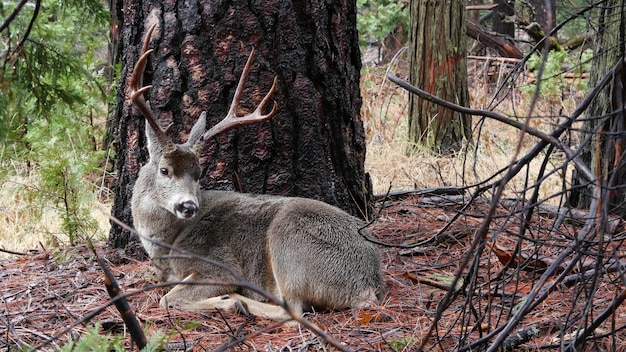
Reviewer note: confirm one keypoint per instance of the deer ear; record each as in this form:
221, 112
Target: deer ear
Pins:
197, 130
155, 149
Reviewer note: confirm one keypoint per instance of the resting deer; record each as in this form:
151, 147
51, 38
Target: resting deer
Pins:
305, 252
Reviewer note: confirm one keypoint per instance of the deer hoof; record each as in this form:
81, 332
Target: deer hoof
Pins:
236, 305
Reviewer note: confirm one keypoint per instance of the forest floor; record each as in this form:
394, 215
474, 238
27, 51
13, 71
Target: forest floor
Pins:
48, 299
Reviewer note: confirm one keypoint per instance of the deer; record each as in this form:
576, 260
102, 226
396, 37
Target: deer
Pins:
307, 253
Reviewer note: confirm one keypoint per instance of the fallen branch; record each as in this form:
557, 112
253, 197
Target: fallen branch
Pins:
126, 312
7, 251
577, 217
419, 192
428, 281
503, 46
520, 337
509, 60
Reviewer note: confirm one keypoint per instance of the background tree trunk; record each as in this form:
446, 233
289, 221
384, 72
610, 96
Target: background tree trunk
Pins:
315, 145
438, 65
605, 123
543, 14
502, 19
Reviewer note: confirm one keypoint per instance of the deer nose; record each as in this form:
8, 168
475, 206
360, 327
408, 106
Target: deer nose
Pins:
188, 209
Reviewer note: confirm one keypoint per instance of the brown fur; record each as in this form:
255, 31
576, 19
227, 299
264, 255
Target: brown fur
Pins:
305, 252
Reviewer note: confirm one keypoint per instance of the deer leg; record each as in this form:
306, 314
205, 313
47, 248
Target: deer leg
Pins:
234, 303
210, 297
184, 296
224, 302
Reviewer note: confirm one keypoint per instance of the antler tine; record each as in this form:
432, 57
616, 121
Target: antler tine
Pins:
232, 120
137, 91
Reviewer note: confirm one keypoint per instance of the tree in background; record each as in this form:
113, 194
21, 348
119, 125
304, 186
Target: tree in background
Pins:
545, 14
605, 122
503, 19
437, 53
314, 146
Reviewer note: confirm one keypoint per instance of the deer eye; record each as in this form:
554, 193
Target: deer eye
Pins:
196, 173
164, 171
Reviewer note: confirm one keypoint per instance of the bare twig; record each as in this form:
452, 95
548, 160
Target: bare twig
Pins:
31, 23
538, 293
546, 138
12, 15
7, 251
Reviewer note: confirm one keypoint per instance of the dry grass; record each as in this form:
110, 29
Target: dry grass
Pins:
27, 225
385, 114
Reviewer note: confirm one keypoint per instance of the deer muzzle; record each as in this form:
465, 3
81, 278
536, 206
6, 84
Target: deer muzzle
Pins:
186, 210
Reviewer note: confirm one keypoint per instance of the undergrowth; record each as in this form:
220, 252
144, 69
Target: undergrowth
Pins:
54, 95
94, 340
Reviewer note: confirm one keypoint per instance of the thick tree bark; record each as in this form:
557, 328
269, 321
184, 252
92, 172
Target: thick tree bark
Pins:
315, 145
605, 125
438, 66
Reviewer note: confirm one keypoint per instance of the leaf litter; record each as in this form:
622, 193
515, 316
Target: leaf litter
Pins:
48, 300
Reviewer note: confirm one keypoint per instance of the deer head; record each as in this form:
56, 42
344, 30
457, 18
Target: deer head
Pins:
173, 169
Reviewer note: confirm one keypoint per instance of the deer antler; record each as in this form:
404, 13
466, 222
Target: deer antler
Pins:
231, 120
136, 94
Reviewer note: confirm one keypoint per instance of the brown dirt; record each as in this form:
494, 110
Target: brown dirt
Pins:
47, 296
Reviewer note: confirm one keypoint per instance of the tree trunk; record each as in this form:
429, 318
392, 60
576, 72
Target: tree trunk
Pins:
315, 145
604, 128
543, 14
438, 66
502, 19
